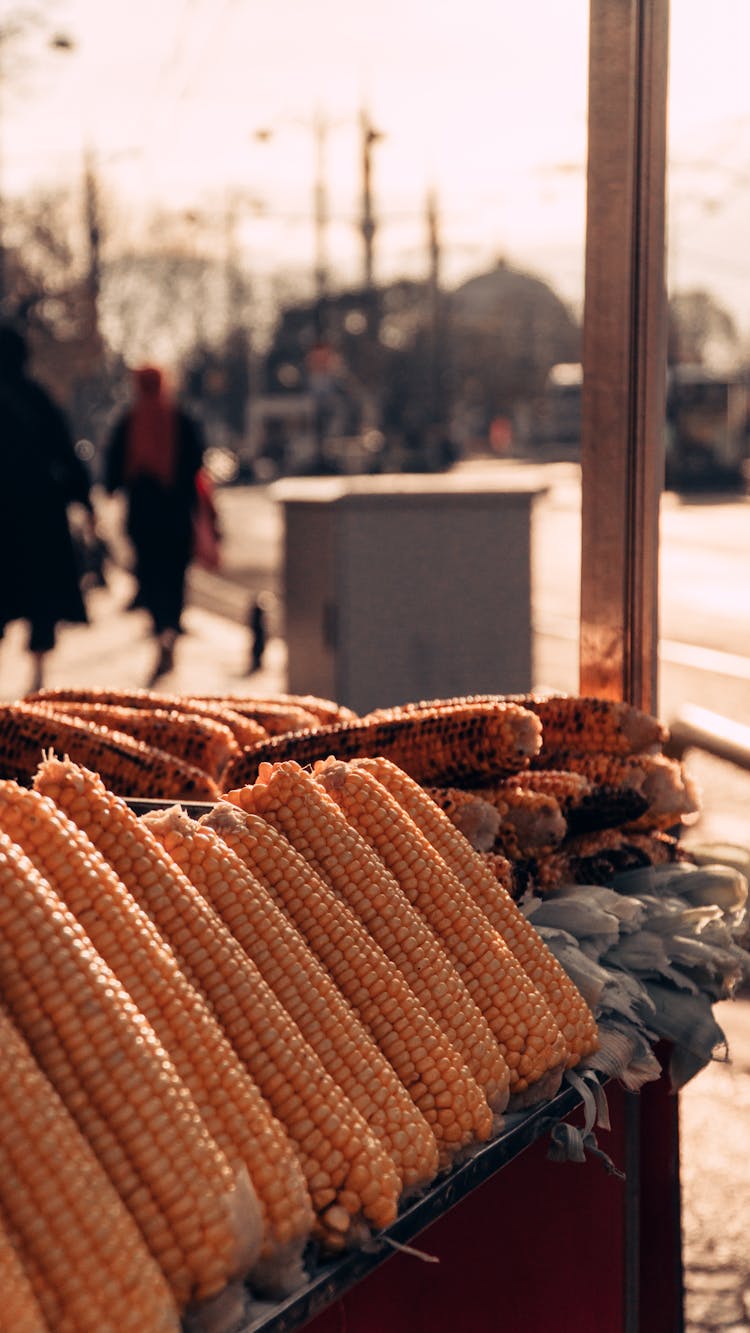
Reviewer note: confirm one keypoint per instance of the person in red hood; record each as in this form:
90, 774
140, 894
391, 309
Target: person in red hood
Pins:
153, 455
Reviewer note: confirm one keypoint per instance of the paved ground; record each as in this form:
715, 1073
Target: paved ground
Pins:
213, 655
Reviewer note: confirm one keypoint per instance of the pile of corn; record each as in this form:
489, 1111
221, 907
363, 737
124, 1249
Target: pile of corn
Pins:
238, 1044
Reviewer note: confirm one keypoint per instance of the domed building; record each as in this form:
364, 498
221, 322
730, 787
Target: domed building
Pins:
505, 329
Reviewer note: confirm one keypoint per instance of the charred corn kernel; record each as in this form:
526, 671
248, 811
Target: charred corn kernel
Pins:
436, 746
306, 814
126, 764
229, 1101
116, 1079
87, 1260
585, 806
331, 1137
305, 989
609, 726
518, 1017
245, 730
21, 1310
569, 1009
429, 1068
200, 741
667, 794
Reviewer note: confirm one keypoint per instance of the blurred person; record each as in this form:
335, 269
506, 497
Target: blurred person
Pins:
153, 455
41, 476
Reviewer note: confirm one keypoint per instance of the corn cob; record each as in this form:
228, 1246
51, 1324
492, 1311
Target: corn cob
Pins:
609, 726
200, 741
88, 1263
469, 744
667, 794
244, 729
21, 1311
526, 1032
430, 1068
528, 820
585, 806
323, 710
129, 766
305, 989
348, 1174
114, 1076
594, 858
273, 716
477, 819
568, 1007
298, 807
569, 721
227, 1098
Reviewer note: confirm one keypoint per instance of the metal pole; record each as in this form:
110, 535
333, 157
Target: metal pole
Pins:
622, 454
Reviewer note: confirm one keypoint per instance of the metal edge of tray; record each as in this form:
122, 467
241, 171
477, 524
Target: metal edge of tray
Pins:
333, 1280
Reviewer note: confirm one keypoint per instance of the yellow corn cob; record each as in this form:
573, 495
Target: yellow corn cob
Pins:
585, 805
229, 1101
21, 1312
348, 1174
298, 807
526, 1032
200, 741
528, 820
427, 1065
127, 765
116, 1079
462, 744
667, 794
244, 729
87, 1260
568, 1007
305, 989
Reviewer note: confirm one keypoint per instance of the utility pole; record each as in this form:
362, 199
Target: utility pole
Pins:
320, 208
92, 222
435, 307
368, 224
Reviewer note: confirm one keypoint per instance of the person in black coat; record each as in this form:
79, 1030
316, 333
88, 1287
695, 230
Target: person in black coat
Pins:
153, 455
41, 476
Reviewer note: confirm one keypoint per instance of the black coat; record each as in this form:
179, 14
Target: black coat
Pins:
40, 475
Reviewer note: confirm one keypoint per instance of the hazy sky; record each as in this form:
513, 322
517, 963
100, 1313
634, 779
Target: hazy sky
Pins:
484, 100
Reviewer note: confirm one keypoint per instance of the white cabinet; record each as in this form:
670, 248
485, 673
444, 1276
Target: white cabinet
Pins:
401, 588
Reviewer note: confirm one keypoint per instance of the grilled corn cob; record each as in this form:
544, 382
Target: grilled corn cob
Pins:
227, 1098
569, 722
527, 1034
594, 858
662, 784
298, 807
305, 989
127, 765
273, 716
427, 1065
323, 710
116, 1079
463, 744
88, 1264
477, 819
201, 742
568, 1007
527, 820
244, 729
585, 805
349, 1175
